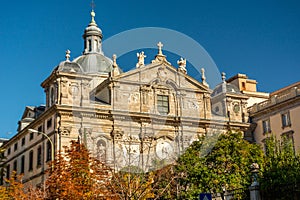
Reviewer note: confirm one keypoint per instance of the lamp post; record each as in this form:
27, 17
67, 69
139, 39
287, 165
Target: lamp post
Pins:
52, 145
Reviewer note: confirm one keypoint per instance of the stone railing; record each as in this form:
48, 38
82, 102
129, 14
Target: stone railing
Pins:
275, 99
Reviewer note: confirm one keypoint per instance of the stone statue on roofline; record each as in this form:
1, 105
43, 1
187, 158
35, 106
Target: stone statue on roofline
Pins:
141, 59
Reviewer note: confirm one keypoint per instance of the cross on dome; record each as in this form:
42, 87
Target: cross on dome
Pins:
93, 5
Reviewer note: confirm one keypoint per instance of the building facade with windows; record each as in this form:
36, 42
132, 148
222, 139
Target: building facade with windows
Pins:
136, 118
278, 115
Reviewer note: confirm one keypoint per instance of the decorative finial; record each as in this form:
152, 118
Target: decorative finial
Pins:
93, 14
114, 57
223, 77
182, 65
116, 70
160, 45
141, 59
68, 52
203, 77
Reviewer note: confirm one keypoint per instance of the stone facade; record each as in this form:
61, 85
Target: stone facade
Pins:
136, 118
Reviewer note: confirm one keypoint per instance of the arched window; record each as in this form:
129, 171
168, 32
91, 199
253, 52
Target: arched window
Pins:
101, 150
90, 45
96, 46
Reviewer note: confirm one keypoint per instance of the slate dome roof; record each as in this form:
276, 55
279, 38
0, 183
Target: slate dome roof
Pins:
230, 88
94, 63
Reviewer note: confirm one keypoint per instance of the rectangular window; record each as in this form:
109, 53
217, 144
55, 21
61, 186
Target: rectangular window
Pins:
49, 151
266, 126
163, 104
39, 156
285, 118
31, 136
15, 168
1, 179
49, 123
16, 146
40, 129
22, 165
30, 164
288, 140
7, 171
23, 141
8, 151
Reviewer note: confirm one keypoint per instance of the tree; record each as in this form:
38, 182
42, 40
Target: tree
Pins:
281, 167
226, 166
77, 175
166, 186
132, 183
14, 189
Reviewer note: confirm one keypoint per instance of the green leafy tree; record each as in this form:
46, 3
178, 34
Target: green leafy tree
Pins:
282, 165
215, 164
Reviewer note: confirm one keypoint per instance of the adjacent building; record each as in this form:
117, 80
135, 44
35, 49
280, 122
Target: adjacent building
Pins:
278, 116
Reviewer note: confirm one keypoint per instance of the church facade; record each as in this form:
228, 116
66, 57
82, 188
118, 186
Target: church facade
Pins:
136, 118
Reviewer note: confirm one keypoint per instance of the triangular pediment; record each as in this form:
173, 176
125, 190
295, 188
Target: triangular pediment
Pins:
28, 112
160, 73
155, 75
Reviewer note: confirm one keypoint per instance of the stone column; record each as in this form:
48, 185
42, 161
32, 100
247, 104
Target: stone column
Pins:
254, 188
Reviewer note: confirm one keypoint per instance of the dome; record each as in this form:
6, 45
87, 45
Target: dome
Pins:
94, 63
230, 88
93, 29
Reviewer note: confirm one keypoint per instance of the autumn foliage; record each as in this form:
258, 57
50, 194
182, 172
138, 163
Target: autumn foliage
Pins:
73, 175
17, 191
77, 175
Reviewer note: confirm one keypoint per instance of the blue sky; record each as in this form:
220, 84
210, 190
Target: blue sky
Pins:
258, 38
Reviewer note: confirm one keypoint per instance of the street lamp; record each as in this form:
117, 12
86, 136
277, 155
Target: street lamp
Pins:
52, 145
